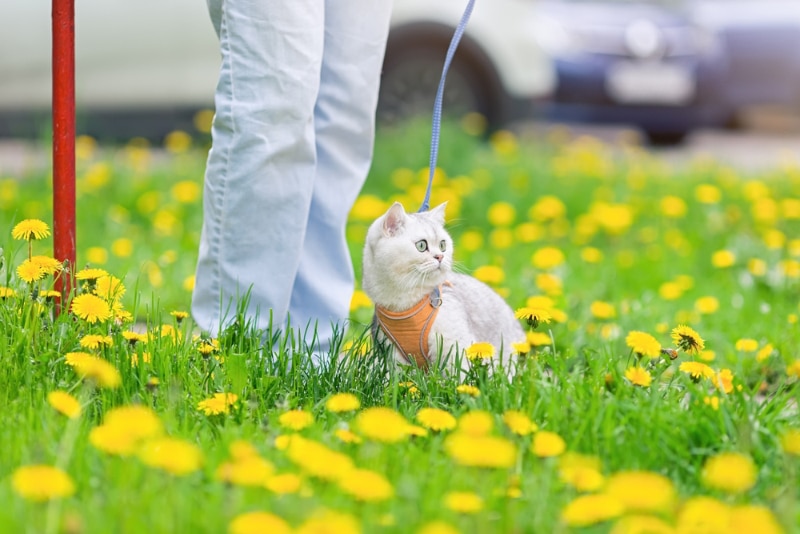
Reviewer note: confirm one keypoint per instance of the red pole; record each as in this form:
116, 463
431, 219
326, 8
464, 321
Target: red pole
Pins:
64, 142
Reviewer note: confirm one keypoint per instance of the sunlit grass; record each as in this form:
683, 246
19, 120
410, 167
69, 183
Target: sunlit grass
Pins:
659, 384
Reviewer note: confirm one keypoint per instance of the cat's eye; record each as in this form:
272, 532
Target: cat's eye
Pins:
442, 245
422, 245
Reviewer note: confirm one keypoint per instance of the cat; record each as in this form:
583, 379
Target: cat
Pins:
408, 270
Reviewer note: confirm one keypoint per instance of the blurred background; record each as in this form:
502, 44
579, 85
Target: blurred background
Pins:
663, 69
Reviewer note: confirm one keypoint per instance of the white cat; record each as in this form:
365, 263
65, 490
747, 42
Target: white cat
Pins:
407, 272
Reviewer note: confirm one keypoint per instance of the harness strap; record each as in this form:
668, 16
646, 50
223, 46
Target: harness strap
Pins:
409, 329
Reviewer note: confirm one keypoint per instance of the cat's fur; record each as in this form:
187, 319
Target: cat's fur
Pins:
396, 275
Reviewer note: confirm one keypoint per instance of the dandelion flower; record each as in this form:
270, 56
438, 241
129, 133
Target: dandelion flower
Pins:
522, 347
438, 527
179, 315
252, 471
533, 316
325, 521
258, 523
723, 380
642, 524
90, 274
706, 305
347, 436
547, 444
366, 485
642, 491
587, 510
63, 402
638, 376
480, 351
602, 310
704, 514
687, 339
519, 423
754, 518
476, 423
643, 343
538, 339
746, 345
317, 460
95, 341
41, 483
48, 264
730, 472
790, 441
481, 451
382, 424
547, 258
91, 308
30, 229
697, 370
296, 419
172, 455
764, 352
722, 259
463, 502
284, 483
6, 292
109, 287
436, 419
342, 402
467, 389
580, 471
30, 272
220, 403
98, 370
76, 358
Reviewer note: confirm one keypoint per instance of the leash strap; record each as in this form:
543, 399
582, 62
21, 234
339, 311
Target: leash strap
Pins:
437, 104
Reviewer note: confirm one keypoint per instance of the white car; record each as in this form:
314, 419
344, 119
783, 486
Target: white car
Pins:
157, 60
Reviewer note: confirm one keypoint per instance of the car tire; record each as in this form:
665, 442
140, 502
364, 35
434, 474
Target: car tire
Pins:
412, 69
665, 138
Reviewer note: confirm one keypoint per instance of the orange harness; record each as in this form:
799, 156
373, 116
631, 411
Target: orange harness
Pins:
409, 329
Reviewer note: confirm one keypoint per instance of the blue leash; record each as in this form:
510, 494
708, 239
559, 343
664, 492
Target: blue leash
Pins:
437, 104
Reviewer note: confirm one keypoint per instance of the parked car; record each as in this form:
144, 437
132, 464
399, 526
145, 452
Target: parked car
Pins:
645, 64
145, 67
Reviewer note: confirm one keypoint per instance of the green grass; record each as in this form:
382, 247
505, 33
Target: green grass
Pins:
139, 216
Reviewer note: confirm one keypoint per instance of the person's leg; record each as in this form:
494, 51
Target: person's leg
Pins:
355, 40
261, 167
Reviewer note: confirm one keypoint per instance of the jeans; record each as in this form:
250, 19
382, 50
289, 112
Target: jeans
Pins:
292, 142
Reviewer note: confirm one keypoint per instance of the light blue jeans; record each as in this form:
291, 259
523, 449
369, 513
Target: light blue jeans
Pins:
292, 143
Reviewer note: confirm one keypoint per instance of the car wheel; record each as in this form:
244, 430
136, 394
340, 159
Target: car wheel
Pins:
413, 67
666, 138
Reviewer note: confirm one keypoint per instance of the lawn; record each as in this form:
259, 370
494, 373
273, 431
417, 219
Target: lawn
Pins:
658, 393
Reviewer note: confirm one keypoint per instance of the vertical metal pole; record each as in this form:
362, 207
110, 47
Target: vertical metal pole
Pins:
64, 143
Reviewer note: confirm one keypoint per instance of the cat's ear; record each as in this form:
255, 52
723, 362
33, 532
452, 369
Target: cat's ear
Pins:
438, 213
394, 219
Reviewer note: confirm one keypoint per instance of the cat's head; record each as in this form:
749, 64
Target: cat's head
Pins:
406, 253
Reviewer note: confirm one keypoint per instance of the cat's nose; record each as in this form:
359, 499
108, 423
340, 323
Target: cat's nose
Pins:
439, 257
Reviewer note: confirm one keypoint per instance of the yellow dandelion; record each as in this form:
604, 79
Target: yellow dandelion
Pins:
63, 402
580, 471
76, 358
463, 502
480, 351
547, 258
706, 305
134, 337
722, 259
179, 315
296, 419
642, 491
643, 343
258, 523
342, 402
765, 352
533, 316
220, 403
687, 339
175, 456
481, 451
347, 436
730, 472
518, 423
329, 521
382, 424
547, 444
476, 423
538, 339
284, 483
109, 288
317, 460
96, 341
438, 527
522, 347
793, 369
30, 272
41, 483
489, 274
48, 264
7, 292
91, 308
30, 229
602, 310
748, 518
366, 485
436, 419
638, 376
790, 441
90, 274
697, 370
467, 389
99, 371
641, 524
746, 345
587, 510
723, 380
